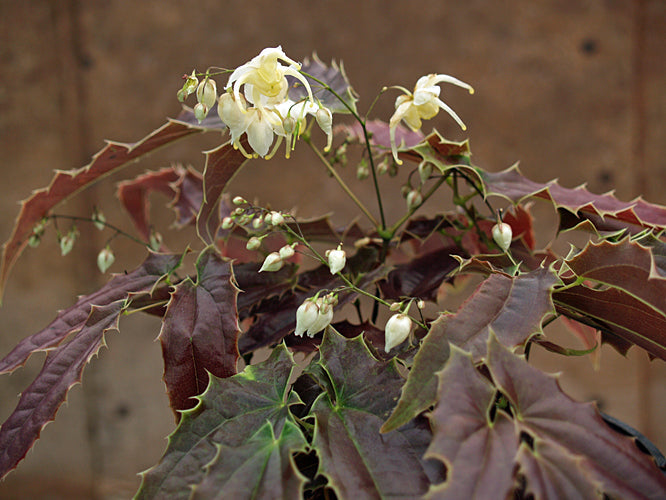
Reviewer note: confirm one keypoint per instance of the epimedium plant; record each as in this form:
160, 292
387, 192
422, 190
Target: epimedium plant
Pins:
397, 396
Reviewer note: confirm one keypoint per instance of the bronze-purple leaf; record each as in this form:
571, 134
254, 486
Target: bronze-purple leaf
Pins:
359, 461
66, 184
133, 194
200, 331
544, 412
511, 185
62, 369
625, 292
512, 307
142, 279
479, 453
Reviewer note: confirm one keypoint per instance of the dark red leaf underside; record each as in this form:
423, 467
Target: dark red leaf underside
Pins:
512, 308
133, 194
200, 331
512, 185
547, 414
62, 369
142, 279
65, 184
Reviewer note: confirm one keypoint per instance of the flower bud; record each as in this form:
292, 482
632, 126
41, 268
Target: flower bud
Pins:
207, 93
257, 222
306, 315
276, 218
502, 235
425, 171
67, 243
286, 252
253, 243
362, 171
273, 262
99, 220
324, 119
414, 199
383, 167
191, 83
104, 259
227, 223
200, 111
155, 241
396, 331
239, 200
324, 318
336, 259
395, 306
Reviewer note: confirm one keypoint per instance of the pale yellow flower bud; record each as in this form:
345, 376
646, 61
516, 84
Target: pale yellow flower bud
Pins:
105, 259
502, 235
272, 263
396, 331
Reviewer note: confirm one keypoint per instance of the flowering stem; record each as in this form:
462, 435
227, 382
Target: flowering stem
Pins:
361, 122
339, 274
411, 211
342, 183
118, 231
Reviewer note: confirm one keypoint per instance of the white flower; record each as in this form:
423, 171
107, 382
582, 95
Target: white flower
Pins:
396, 331
423, 104
306, 315
264, 78
336, 259
273, 262
324, 318
287, 252
313, 315
502, 235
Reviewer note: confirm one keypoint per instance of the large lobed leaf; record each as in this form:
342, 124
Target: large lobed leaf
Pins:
518, 432
624, 293
512, 185
86, 323
231, 413
200, 331
478, 452
358, 461
511, 307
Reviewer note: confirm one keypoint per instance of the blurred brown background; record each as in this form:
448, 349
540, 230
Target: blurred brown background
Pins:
570, 88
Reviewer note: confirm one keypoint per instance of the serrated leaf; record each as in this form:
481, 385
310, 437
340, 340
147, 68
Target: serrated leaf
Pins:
543, 411
200, 331
552, 472
360, 391
334, 76
68, 321
189, 197
511, 185
512, 307
221, 165
62, 369
421, 276
261, 468
133, 194
632, 301
66, 184
478, 453
231, 410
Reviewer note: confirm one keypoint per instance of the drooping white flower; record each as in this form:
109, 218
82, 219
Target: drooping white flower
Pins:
264, 78
324, 317
502, 234
336, 259
422, 104
396, 331
306, 315
273, 262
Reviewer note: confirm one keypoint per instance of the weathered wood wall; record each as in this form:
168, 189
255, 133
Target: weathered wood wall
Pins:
572, 88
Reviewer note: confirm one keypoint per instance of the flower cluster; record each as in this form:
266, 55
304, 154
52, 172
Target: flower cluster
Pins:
256, 103
314, 314
424, 103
